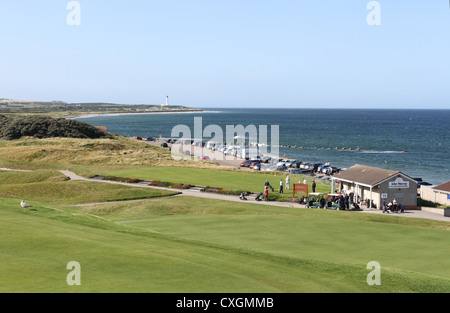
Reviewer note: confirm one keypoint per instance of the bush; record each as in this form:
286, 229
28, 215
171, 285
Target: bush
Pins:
169, 185
16, 127
223, 191
122, 179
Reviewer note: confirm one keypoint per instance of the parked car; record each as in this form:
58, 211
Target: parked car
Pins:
246, 163
266, 159
276, 161
330, 170
206, 158
150, 139
254, 163
282, 167
257, 167
164, 145
315, 166
137, 138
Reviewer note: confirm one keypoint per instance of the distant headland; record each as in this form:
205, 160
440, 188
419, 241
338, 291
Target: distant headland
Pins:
64, 109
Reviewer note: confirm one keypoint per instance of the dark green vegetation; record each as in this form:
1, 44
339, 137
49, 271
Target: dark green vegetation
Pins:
16, 127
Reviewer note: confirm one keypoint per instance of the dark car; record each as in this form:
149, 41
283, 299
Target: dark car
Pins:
150, 139
246, 163
164, 145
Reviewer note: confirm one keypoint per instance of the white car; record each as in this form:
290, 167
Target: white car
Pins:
288, 163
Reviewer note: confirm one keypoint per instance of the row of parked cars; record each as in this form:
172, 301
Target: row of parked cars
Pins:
294, 166
145, 139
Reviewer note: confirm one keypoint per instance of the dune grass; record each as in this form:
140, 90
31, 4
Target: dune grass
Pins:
87, 154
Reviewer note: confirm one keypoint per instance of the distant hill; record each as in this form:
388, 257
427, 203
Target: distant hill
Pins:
61, 108
16, 127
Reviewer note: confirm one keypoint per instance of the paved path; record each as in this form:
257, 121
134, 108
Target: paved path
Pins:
208, 195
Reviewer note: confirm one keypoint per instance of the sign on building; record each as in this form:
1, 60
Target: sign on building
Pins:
398, 183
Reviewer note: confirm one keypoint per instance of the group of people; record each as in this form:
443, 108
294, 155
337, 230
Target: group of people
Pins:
284, 185
267, 186
345, 201
392, 206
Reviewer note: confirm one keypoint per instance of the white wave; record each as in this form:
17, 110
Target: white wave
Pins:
380, 152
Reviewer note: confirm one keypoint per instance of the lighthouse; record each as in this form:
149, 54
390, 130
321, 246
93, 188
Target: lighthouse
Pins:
167, 101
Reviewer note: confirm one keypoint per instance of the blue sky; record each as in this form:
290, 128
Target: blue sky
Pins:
228, 53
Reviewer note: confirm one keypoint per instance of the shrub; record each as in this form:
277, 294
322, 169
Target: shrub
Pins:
122, 179
16, 127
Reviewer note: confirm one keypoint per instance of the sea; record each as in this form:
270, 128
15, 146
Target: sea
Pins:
415, 142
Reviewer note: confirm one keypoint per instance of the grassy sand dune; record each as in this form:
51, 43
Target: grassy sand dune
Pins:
88, 155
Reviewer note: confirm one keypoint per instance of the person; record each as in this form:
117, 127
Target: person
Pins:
347, 201
267, 184
288, 182
384, 206
313, 186
342, 202
266, 193
281, 186
394, 205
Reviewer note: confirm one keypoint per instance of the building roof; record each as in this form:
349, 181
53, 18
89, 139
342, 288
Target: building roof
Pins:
443, 187
366, 175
